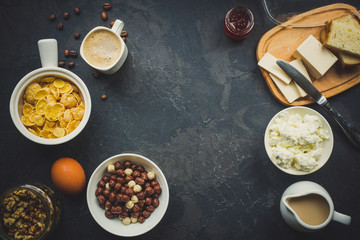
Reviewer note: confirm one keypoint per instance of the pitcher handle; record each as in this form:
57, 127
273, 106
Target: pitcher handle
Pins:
48, 50
341, 218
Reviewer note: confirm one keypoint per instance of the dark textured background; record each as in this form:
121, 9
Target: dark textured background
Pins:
187, 97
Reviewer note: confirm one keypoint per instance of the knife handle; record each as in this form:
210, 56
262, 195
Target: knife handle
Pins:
349, 131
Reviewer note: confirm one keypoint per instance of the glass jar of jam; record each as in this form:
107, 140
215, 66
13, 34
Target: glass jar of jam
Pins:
238, 23
28, 212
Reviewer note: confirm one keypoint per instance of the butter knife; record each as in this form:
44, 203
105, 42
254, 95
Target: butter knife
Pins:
310, 89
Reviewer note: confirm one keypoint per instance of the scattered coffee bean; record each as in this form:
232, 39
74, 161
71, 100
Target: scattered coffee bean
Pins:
52, 17
66, 15
73, 53
61, 64
59, 26
103, 97
107, 6
66, 53
77, 35
112, 23
77, 11
104, 16
124, 39
71, 64
96, 74
124, 33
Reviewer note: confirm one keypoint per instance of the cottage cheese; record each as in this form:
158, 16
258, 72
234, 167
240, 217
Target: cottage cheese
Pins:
296, 141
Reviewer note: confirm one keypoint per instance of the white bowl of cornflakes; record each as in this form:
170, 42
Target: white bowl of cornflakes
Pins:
50, 105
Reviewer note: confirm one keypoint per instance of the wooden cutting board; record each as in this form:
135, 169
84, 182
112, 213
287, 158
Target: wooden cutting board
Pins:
282, 40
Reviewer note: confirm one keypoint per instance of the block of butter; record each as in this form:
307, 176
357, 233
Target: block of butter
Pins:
289, 91
268, 62
315, 56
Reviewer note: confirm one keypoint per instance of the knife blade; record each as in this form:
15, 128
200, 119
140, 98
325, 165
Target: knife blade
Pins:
310, 89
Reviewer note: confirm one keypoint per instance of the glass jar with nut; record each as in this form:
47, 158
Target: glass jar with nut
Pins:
28, 212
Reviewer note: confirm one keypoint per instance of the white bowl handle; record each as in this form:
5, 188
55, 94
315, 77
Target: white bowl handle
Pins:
48, 52
341, 218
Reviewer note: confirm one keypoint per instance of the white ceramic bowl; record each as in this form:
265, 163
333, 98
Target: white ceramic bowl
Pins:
49, 59
115, 226
16, 102
327, 144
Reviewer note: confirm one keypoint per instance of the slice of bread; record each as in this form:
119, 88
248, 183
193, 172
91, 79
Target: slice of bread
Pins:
347, 59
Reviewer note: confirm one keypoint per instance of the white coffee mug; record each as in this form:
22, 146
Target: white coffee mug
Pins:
114, 67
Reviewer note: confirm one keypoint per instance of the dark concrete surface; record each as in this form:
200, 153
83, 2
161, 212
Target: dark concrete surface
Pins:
187, 97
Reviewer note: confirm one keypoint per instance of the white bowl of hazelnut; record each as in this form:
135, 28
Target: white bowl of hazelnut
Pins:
127, 195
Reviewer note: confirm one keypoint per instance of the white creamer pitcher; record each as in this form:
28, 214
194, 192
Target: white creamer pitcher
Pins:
305, 188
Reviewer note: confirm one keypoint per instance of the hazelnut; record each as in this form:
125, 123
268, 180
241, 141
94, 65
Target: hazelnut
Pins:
103, 97
155, 202
106, 178
128, 178
101, 199
126, 221
133, 220
150, 208
101, 184
134, 199
144, 176
129, 192
140, 168
141, 195
128, 171
136, 174
148, 201
136, 208
141, 203
106, 193
157, 189
149, 191
125, 198
120, 172
113, 177
123, 190
133, 167
108, 205
117, 187
135, 214
123, 215
147, 184
108, 214
137, 188
98, 191
111, 168
112, 197
129, 204
118, 165
107, 186
154, 183
131, 183
127, 164
116, 210
141, 219
146, 214
112, 183
139, 181
151, 175
120, 180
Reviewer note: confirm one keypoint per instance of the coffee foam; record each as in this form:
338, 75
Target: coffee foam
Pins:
102, 48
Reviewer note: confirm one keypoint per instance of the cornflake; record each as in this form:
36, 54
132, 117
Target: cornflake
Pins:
52, 107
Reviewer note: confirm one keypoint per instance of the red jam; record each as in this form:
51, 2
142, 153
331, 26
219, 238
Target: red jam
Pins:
238, 23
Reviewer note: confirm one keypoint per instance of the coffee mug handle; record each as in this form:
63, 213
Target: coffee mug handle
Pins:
48, 52
118, 26
341, 218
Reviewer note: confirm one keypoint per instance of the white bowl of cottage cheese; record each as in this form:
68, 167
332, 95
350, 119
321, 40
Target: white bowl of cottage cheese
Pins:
299, 140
